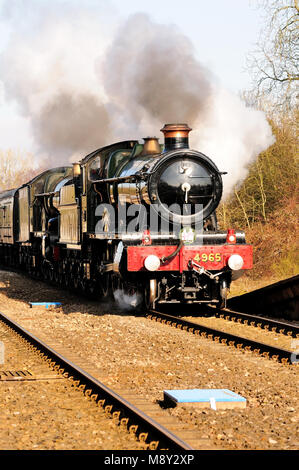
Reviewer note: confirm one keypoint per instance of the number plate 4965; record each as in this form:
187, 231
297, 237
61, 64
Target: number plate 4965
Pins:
208, 257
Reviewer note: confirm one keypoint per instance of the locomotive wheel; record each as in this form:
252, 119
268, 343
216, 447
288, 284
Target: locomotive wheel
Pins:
56, 276
51, 275
92, 289
68, 280
89, 288
45, 271
76, 278
76, 282
61, 279
116, 283
105, 285
83, 285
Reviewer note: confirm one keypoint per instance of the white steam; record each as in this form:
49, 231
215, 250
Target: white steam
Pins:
127, 301
83, 85
233, 135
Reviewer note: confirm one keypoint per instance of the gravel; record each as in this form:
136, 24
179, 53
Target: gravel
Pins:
147, 357
50, 414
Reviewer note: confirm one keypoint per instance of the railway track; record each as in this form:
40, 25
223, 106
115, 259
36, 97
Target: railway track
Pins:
269, 324
153, 429
240, 342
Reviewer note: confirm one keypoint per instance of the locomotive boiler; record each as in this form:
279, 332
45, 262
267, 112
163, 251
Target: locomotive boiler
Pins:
130, 217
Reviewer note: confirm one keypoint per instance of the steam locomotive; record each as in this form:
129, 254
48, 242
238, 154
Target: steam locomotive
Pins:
129, 217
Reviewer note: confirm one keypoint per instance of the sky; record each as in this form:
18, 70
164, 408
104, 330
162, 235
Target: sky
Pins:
222, 32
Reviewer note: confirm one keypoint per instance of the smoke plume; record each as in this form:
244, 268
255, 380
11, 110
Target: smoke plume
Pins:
151, 76
83, 85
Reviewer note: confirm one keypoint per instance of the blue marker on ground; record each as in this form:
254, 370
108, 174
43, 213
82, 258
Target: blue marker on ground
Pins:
45, 304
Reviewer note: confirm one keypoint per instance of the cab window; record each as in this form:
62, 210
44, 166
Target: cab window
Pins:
94, 169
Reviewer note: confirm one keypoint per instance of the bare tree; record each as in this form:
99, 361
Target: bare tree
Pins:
275, 62
16, 168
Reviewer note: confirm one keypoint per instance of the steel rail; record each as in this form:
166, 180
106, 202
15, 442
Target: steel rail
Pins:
167, 440
258, 320
284, 355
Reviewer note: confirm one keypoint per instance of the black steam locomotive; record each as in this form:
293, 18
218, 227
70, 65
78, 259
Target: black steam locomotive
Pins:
129, 218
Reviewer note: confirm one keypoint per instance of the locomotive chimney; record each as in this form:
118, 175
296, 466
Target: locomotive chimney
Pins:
176, 136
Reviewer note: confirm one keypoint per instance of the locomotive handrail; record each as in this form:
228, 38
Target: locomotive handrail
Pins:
45, 194
119, 179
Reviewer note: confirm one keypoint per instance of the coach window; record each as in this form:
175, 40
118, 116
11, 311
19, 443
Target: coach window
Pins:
94, 169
